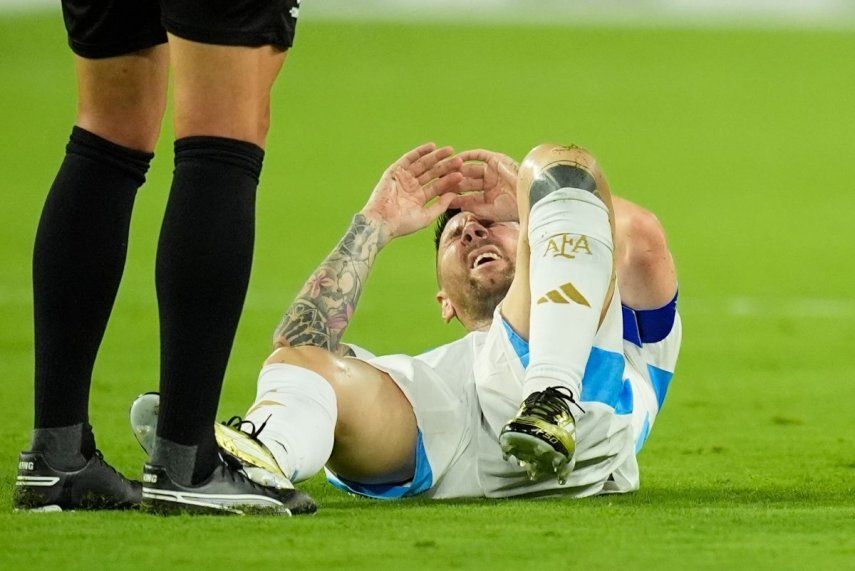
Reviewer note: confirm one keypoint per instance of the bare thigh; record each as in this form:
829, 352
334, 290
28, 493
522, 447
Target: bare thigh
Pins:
376, 432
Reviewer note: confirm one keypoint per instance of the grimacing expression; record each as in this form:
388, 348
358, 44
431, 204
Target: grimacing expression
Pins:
475, 264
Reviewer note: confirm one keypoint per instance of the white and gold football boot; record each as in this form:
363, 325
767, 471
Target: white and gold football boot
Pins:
256, 461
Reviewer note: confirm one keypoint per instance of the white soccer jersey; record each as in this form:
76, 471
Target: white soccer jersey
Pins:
464, 392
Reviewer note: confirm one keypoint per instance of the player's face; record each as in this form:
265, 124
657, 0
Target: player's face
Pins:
475, 262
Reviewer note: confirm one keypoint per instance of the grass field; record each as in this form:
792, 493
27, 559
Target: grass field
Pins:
742, 143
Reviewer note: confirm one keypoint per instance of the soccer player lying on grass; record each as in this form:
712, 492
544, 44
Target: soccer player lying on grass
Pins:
556, 386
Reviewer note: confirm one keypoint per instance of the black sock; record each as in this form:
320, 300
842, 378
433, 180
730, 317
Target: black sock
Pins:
66, 447
203, 265
78, 259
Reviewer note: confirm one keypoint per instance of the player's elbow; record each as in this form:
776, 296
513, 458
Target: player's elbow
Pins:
647, 245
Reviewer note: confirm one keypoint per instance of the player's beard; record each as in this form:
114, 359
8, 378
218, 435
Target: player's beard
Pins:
483, 296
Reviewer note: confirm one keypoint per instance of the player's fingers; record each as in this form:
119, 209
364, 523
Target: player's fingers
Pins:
442, 185
483, 155
508, 171
407, 181
473, 170
441, 204
468, 202
506, 160
447, 183
415, 154
469, 184
482, 170
427, 162
451, 164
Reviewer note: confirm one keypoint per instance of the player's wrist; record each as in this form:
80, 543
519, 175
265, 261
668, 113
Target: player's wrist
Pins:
375, 221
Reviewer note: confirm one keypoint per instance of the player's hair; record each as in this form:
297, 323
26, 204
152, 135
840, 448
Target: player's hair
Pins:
441, 222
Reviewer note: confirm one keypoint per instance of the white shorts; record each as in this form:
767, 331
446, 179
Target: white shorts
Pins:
464, 392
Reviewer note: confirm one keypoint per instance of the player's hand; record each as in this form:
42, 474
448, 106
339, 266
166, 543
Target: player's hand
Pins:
488, 188
403, 201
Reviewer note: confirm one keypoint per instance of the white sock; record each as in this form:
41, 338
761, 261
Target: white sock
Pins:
299, 407
571, 266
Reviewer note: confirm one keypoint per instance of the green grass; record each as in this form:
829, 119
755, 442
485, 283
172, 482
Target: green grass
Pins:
741, 142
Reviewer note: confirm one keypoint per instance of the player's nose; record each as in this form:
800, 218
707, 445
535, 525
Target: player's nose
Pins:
473, 231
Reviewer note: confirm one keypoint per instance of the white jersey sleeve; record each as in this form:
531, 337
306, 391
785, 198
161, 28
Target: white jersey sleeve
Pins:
360, 352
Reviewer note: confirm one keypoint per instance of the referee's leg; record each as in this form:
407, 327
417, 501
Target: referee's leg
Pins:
78, 260
82, 236
223, 74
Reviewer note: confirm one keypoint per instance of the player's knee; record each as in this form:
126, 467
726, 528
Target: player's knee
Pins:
326, 364
576, 168
581, 156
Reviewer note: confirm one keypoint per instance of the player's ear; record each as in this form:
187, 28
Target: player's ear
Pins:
446, 308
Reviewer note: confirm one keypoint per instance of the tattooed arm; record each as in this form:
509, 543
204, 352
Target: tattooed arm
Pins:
397, 207
323, 308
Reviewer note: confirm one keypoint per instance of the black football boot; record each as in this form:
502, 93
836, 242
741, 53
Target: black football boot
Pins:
226, 491
96, 485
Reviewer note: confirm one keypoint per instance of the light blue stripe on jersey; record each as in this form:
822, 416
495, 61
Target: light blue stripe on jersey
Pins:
519, 344
645, 432
603, 380
422, 481
661, 381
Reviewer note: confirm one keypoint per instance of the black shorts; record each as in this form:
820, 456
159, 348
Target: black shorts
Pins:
107, 28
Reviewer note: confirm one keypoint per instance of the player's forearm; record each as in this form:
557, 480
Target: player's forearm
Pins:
324, 307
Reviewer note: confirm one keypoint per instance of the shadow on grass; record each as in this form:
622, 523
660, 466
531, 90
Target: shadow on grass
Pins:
678, 498
770, 495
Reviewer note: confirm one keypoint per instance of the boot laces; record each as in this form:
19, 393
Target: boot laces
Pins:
551, 402
100, 456
238, 422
